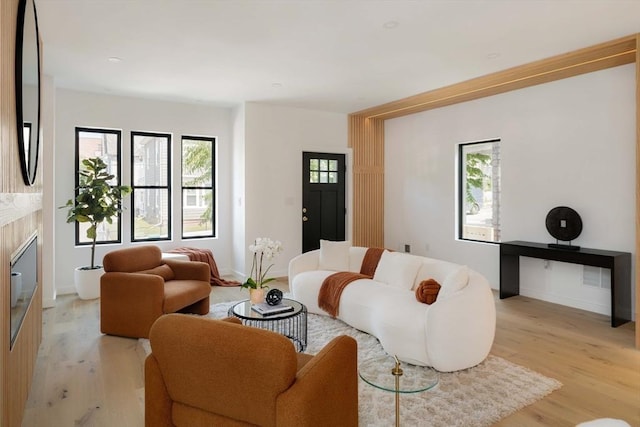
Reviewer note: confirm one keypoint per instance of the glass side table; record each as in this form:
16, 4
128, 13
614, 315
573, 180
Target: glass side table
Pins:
291, 324
389, 374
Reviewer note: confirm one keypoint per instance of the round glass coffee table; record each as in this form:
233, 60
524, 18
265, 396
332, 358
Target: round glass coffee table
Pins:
292, 324
389, 374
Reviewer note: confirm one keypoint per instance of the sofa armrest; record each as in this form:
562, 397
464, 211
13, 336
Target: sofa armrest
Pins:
461, 327
130, 303
332, 374
304, 262
137, 285
190, 270
157, 402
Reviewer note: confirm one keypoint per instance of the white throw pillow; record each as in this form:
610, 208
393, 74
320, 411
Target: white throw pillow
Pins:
334, 256
397, 269
455, 281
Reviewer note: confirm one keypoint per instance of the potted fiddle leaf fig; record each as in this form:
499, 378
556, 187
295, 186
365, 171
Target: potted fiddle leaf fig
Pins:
96, 201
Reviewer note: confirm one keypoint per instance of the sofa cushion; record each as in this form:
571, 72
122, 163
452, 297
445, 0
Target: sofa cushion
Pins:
179, 294
334, 256
455, 281
434, 269
163, 271
397, 269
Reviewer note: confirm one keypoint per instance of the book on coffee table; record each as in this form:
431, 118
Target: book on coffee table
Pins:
267, 310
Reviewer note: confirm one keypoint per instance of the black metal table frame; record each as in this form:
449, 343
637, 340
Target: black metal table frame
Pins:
292, 325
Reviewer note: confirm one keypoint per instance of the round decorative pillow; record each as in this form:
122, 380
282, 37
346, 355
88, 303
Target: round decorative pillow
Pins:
274, 296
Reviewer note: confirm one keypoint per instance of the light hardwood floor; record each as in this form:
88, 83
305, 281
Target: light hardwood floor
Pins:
84, 378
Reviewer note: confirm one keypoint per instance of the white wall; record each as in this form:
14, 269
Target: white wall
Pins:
48, 116
275, 138
238, 192
74, 108
570, 142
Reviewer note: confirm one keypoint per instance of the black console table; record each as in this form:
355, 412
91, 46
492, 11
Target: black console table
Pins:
618, 262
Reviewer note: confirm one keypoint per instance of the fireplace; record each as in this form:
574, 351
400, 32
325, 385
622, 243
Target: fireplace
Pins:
24, 280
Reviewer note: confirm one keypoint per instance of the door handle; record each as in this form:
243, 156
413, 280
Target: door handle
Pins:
305, 219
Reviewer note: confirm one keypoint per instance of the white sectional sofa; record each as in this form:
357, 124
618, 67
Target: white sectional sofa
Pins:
454, 333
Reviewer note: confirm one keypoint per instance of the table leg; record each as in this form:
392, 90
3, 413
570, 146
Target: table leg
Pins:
397, 372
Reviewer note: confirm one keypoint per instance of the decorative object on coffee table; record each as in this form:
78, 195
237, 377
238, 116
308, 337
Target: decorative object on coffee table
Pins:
274, 297
256, 296
563, 223
264, 249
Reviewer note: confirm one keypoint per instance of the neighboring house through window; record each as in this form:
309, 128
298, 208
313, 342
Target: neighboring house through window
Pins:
479, 191
105, 144
150, 181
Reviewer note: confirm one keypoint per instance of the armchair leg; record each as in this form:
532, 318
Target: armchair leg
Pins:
200, 307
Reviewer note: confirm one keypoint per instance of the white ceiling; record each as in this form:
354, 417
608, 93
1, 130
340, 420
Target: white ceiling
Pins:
333, 55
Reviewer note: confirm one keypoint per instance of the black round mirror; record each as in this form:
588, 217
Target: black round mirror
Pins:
27, 77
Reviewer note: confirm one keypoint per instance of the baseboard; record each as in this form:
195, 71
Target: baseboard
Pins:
66, 290
48, 303
570, 302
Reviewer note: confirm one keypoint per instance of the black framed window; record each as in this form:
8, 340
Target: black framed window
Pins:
151, 185
106, 144
479, 191
198, 187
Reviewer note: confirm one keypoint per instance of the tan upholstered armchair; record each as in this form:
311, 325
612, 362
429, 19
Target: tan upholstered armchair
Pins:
205, 372
138, 286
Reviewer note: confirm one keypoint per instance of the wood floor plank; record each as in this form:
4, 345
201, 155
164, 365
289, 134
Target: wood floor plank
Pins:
84, 378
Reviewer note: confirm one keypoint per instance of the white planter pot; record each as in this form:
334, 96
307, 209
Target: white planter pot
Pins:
16, 288
87, 282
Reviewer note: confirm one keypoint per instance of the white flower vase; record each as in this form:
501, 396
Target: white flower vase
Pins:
87, 282
16, 288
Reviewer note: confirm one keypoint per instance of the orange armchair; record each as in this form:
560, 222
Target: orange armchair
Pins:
138, 286
205, 372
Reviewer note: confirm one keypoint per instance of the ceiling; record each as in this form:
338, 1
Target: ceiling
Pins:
332, 55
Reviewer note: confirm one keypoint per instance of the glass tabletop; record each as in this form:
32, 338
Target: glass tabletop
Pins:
243, 310
378, 372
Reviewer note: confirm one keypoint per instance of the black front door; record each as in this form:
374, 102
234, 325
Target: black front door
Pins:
323, 193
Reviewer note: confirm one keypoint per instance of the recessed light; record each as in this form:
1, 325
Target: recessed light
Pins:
276, 85
391, 25
114, 59
493, 55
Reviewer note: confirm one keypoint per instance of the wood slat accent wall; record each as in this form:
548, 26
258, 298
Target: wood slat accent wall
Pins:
21, 215
637, 188
366, 138
366, 127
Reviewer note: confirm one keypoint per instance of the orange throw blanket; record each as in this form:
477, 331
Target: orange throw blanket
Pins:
206, 256
333, 286
370, 261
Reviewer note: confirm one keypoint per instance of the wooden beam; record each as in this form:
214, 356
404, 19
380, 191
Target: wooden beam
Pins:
605, 55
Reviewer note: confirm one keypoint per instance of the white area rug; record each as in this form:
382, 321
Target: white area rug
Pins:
479, 396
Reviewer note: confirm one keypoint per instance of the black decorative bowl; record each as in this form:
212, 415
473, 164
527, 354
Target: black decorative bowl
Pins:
274, 297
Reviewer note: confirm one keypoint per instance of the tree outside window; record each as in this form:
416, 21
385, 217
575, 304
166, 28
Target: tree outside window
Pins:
479, 191
198, 191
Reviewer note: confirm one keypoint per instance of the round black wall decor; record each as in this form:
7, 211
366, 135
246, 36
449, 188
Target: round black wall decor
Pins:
564, 223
